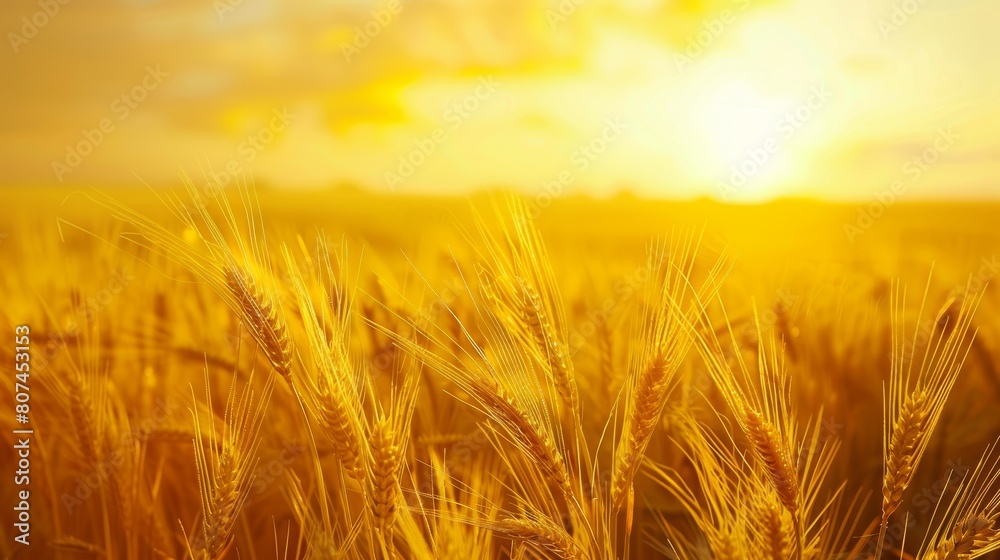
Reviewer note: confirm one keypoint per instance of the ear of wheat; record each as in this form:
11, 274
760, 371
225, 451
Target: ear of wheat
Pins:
970, 527
330, 388
530, 436
521, 287
384, 477
387, 443
549, 342
908, 434
774, 455
502, 386
970, 538
917, 398
718, 503
101, 430
761, 405
664, 345
261, 317
541, 536
775, 537
225, 462
240, 275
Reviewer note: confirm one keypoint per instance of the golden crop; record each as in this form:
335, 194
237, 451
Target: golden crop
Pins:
264, 375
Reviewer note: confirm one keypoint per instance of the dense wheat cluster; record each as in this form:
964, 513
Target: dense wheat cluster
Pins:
234, 375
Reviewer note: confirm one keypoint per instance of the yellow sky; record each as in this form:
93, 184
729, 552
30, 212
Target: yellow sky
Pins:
735, 99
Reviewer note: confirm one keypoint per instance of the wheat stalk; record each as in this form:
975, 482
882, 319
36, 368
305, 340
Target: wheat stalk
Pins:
518, 283
493, 388
775, 457
225, 463
527, 433
725, 482
972, 535
904, 445
662, 346
745, 485
330, 394
386, 458
916, 401
970, 528
547, 340
261, 317
775, 542
81, 411
643, 415
220, 515
339, 421
543, 536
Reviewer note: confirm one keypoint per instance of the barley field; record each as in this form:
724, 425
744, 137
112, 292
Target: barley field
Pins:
264, 374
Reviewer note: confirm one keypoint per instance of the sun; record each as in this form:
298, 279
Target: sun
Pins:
719, 130
733, 120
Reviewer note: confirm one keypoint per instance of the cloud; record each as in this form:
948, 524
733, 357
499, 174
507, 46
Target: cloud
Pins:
565, 65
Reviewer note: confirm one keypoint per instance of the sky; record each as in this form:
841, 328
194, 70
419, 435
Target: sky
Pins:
738, 100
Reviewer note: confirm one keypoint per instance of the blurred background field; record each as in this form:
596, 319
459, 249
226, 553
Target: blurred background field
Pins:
70, 275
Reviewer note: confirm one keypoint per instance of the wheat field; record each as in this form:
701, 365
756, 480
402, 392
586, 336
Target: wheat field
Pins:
257, 374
